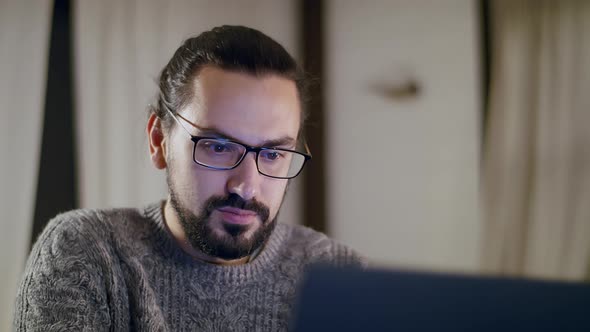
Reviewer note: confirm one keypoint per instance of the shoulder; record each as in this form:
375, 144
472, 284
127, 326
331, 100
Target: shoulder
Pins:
87, 225
83, 235
90, 226
67, 229
318, 247
68, 237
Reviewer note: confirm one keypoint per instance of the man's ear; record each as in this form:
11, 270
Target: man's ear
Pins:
157, 141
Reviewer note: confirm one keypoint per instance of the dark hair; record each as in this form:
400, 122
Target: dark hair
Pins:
234, 48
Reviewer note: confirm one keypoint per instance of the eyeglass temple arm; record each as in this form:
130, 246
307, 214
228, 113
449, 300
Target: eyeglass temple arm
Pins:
178, 121
307, 149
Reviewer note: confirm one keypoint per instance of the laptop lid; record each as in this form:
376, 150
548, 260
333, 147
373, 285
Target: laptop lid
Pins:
350, 299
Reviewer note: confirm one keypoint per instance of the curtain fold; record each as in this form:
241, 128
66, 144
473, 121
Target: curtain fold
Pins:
24, 42
536, 165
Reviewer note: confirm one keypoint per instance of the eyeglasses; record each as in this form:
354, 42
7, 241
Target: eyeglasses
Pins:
224, 154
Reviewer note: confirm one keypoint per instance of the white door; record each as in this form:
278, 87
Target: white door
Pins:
403, 170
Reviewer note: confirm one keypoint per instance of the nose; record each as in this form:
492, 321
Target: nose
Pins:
244, 180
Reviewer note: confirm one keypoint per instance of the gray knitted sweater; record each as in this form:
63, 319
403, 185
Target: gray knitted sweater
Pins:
120, 270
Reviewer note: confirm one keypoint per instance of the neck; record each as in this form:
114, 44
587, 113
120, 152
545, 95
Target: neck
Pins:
174, 227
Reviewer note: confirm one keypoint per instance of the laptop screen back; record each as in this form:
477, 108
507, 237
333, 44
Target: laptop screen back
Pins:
349, 299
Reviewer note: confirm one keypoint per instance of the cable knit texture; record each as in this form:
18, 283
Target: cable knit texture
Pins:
120, 270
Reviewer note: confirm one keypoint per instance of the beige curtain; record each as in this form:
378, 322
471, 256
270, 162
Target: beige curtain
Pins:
120, 47
536, 163
24, 41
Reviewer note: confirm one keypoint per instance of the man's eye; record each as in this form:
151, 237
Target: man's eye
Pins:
217, 147
272, 155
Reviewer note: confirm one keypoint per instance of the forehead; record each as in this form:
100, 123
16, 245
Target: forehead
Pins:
250, 108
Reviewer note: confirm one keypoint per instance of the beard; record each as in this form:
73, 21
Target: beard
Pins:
232, 244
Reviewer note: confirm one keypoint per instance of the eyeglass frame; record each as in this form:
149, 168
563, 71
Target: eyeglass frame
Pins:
248, 148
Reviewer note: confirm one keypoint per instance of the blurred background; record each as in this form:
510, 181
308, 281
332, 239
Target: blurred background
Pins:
447, 135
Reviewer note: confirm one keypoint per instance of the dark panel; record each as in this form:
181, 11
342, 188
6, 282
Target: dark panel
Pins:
56, 185
351, 299
312, 35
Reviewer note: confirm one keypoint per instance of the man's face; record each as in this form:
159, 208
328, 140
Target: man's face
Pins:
229, 213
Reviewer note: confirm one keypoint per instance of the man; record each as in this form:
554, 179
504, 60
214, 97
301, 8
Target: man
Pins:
226, 128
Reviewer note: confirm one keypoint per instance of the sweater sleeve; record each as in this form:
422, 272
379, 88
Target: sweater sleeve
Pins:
63, 287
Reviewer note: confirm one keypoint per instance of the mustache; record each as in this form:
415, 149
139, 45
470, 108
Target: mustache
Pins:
235, 201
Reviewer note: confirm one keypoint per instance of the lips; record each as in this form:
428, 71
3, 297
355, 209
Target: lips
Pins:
237, 216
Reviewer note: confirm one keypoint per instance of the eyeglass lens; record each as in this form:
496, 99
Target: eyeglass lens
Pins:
225, 155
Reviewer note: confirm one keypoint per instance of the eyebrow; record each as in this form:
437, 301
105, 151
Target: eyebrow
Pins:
284, 141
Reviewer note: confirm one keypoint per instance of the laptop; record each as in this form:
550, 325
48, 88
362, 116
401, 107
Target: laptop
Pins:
350, 299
